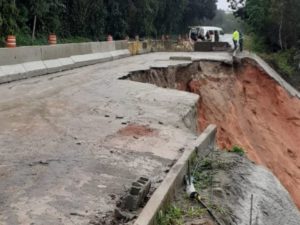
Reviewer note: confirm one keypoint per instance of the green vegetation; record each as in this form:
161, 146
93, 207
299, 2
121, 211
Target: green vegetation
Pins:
172, 216
206, 173
219, 209
33, 20
274, 31
203, 179
208, 167
176, 215
225, 20
284, 61
237, 150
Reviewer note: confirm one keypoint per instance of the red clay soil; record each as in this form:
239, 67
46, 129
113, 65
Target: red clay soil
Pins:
254, 112
136, 130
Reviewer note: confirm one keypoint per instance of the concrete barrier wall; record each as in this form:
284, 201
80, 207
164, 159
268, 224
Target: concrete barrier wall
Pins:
119, 45
65, 50
40, 53
103, 46
142, 47
25, 62
11, 56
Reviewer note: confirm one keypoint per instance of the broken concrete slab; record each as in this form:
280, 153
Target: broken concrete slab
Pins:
137, 194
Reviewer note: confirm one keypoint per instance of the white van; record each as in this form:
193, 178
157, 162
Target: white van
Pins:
197, 31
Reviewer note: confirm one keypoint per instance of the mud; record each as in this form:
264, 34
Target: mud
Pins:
251, 110
136, 131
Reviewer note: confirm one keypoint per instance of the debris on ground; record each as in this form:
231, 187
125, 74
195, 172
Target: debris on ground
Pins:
129, 205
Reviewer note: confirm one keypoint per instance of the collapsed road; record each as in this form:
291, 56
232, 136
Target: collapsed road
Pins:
72, 142
250, 109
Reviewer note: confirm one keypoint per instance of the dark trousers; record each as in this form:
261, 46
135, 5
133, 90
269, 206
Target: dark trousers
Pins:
241, 45
235, 44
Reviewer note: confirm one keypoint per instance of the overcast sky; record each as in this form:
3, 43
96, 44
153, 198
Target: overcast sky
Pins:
222, 4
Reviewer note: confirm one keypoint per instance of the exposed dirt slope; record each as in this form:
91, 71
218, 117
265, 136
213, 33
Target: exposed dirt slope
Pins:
250, 109
254, 112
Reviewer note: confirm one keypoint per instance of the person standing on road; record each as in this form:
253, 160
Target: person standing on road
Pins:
241, 41
235, 38
217, 36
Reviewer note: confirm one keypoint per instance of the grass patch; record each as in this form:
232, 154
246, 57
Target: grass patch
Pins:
195, 212
206, 173
219, 209
173, 215
237, 150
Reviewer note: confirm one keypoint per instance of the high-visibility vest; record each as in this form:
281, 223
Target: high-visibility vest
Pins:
236, 36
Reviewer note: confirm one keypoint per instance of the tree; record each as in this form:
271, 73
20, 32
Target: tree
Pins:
84, 18
225, 20
197, 10
268, 17
95, 19
141, 18
43, 15
172, 19
116, 18
8, 17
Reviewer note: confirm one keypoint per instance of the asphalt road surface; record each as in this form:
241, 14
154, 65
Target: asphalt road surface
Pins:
72, 142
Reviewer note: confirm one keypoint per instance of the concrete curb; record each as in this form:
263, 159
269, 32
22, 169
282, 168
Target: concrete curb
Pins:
271, 72
174, 180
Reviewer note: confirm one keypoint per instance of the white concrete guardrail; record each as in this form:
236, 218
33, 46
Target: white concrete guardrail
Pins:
25, 62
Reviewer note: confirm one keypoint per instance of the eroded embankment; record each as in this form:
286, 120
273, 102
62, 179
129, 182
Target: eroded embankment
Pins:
250, 109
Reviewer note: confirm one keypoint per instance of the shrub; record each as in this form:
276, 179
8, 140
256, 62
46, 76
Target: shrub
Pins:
238, 150
283, 61
26, 40
254, 43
